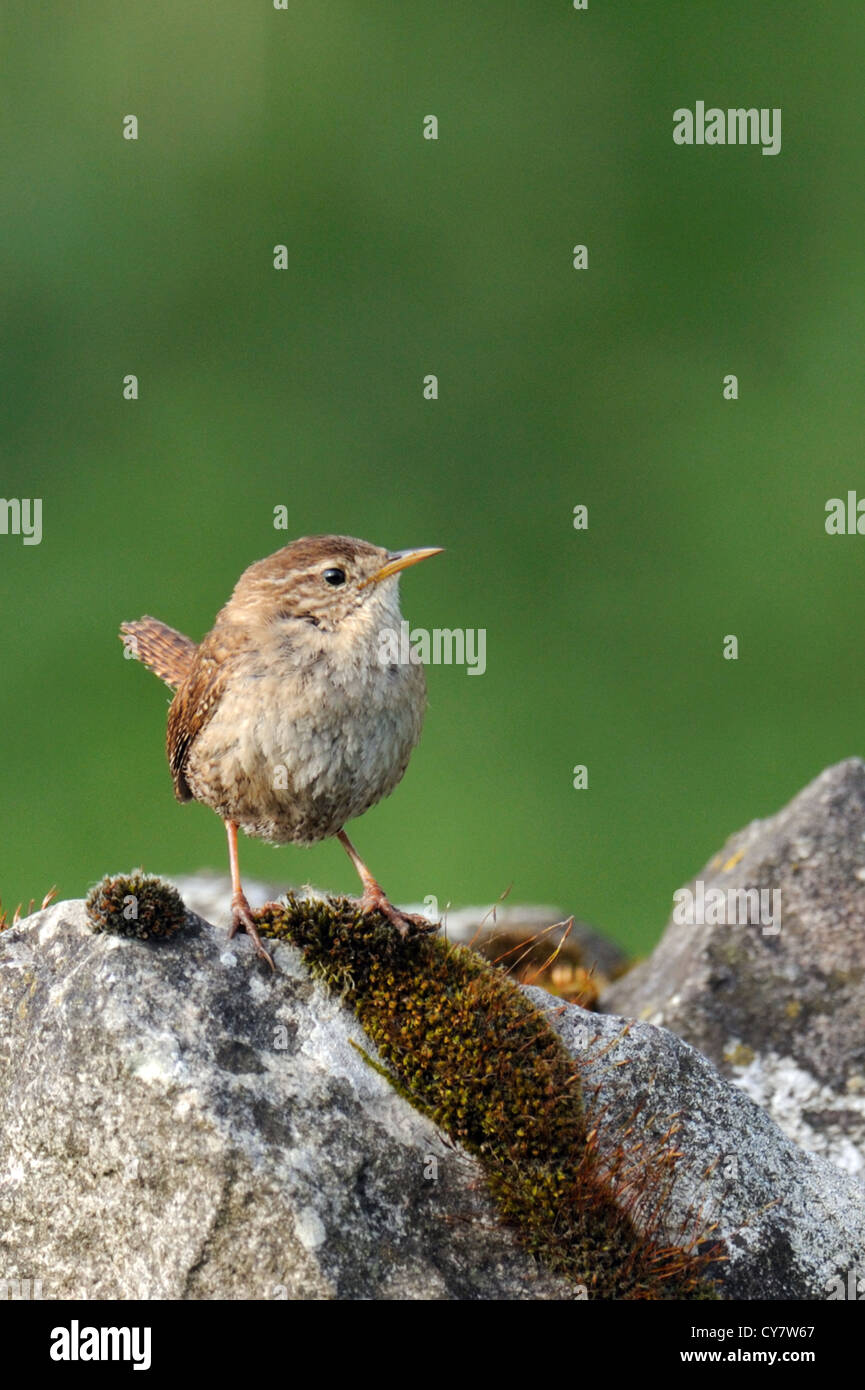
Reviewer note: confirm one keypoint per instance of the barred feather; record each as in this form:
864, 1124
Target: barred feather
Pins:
165, 651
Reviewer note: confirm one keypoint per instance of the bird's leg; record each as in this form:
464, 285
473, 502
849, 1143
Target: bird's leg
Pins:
241, 912
376, 900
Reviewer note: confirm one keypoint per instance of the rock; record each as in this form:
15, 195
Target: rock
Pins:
791, 1222
176, 1123
778, 1006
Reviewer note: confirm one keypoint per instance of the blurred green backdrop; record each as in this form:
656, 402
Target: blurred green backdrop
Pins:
557, 387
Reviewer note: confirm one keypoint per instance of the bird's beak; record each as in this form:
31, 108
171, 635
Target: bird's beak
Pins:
400, 560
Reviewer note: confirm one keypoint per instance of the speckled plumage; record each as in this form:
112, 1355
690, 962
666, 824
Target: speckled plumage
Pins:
285, 720
290, 718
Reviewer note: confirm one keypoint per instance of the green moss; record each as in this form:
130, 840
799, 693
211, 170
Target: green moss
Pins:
137, 904
467, 1047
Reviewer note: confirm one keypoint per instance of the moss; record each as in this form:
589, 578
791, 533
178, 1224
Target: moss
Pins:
466, 1046
19, 912
138, 905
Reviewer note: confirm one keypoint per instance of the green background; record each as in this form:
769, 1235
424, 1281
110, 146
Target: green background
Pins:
557, 387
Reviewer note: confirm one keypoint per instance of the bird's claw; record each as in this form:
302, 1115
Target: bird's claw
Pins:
243, 920
406, 923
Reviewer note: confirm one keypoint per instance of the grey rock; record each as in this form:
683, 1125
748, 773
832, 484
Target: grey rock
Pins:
791, 1222
174, 1123
778, 1005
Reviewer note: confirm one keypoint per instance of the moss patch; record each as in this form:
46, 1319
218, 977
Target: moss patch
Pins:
469, 1050
137, 904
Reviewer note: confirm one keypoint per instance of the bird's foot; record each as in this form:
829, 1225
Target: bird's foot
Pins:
242, 919
407, 923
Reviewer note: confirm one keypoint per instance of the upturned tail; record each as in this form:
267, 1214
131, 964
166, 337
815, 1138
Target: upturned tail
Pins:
163, 650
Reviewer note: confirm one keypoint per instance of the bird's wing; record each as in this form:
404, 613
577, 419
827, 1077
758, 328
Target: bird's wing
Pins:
192, 707
165, 651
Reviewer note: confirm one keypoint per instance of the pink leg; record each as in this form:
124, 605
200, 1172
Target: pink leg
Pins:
376, 900
241, 913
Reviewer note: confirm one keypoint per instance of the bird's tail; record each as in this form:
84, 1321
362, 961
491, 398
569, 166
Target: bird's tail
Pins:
164, 650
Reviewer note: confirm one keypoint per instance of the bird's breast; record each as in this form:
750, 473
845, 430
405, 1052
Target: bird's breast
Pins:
295, 749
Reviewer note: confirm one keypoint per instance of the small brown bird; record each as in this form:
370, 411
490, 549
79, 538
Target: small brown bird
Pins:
291, 717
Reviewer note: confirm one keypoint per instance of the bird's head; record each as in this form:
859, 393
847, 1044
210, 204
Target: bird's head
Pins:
330, 583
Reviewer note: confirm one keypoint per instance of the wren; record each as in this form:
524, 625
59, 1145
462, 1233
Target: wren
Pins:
286, 720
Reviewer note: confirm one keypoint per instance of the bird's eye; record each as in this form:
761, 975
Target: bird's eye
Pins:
334, 577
